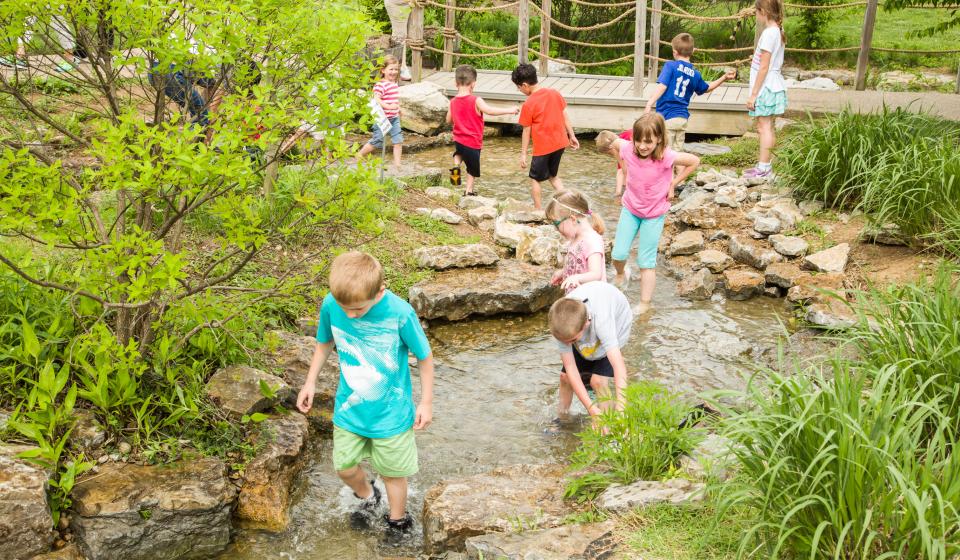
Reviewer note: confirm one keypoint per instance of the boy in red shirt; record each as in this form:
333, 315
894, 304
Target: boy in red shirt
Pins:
466, 113
544, 118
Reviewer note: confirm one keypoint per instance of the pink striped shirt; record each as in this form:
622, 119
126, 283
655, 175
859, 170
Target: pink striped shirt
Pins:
388, 92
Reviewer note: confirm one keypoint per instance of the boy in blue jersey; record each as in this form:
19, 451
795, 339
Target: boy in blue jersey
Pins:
373, 415
677, 83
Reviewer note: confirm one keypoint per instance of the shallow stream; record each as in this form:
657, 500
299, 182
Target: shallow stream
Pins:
495, 391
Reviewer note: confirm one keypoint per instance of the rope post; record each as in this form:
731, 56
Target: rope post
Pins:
958, 77
655, 40
523, 31
639, 45
448, 37
415, 39
545, 37
863, 59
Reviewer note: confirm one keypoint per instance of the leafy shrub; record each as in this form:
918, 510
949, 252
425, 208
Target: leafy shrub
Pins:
898, 166
641, 442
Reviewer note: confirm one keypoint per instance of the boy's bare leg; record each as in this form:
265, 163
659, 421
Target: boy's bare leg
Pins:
556, 183
566, 396
396, 496
469, 187
356, 479
397, 152
535, 193
601, 388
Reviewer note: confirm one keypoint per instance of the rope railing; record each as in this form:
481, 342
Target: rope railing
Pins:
643, 50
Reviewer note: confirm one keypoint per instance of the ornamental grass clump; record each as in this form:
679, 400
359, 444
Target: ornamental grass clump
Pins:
856, 460
642, 442
896, 166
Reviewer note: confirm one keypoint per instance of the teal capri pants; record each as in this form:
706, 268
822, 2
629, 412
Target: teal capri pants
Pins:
649, 230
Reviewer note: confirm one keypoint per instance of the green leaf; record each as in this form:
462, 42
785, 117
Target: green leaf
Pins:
30, 343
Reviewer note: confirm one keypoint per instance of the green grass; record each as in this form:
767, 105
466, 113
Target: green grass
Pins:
671, 532
743, 153
440, 232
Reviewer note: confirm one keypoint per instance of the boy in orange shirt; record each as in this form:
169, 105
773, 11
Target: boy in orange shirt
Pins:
544, 118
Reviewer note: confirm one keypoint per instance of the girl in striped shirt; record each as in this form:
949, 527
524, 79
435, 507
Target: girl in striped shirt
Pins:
386, 93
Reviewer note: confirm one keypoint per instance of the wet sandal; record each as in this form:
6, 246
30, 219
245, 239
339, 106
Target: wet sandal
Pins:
455, 176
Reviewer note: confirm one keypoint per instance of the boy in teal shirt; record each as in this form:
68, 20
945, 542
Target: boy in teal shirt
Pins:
374, 416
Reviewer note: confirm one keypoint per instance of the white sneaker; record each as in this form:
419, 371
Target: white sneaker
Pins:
405, 74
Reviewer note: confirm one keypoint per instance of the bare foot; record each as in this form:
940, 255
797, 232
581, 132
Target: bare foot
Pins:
641, 308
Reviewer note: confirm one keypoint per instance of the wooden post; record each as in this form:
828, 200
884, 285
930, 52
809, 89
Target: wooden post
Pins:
416, 40
958, 77
545, 37
655, 18
448, 42
523, 31
863, 59
639, 46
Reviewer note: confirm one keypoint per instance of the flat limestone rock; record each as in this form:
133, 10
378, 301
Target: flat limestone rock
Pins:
166, 512
471, 202
783, 275
715, 261
699, 285
482, 215
442, 193
830, 315
236, 389
509, 234
704, 149
455, 510
748, 252
687, 243
25, 521
442, 257
742, 284
446, 216
789, 246
292, 356
647, 492
832, 260
568, 541
816, 288
511, 286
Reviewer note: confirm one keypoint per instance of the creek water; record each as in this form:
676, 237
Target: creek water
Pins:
496, 379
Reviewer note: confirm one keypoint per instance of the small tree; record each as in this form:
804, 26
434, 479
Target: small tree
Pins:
103, 167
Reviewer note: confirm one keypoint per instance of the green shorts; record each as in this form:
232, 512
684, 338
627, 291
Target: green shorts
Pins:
769, 104
394, 456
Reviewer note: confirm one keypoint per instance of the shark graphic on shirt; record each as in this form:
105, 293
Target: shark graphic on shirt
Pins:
367, 359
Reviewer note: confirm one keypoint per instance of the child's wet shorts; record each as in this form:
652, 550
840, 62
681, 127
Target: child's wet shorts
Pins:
470, 157
587, 368
394, 456
546, 166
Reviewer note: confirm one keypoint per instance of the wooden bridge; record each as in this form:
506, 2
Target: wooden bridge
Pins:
609, 102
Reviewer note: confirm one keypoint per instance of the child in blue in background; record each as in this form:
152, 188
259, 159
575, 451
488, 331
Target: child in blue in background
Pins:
676, 85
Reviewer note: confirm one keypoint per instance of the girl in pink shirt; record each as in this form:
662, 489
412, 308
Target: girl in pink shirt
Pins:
650, 187
583, 230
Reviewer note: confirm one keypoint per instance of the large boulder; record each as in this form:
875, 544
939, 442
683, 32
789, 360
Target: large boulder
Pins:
832, 260
648, 492
166, 512
237, 390
292, 356
569, 541
442, 257
267, 479
747, 252
25, 521
424, 108
455, 510
511, 286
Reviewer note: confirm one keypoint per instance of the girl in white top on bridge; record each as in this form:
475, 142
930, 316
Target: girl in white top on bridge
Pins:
768, 92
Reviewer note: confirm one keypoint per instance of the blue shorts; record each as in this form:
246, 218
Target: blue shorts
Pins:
649, 230
396, 135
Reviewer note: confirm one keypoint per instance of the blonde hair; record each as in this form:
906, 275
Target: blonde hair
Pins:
573, 203
355, 277
388, 59
683, 44
773, 10
648, 127
566, 318
605, 140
